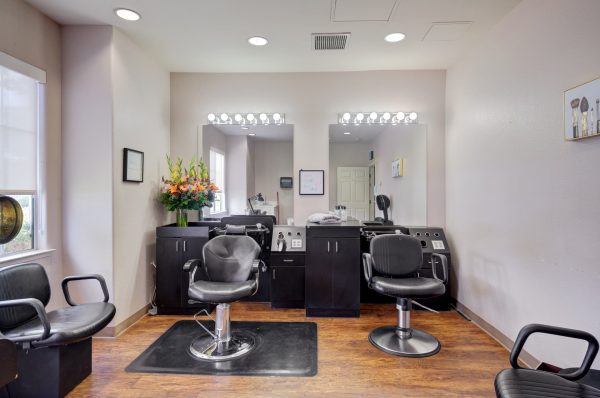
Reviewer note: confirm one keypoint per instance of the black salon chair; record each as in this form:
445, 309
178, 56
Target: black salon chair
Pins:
230, 268
529, 383
55, 348
391, 268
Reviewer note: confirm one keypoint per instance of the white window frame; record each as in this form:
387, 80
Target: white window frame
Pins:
221, 192
39, 194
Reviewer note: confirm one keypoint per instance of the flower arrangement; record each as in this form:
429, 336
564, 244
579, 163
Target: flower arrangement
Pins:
186, 188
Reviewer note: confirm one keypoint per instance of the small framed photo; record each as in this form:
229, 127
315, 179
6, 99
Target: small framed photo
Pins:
133, 165
312, 182
398, 168
582, 111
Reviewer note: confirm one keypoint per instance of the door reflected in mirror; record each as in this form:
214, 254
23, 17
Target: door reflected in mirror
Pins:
366, 161
250, 162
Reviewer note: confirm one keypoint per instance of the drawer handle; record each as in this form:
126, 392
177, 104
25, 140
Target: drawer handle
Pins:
328, 247
288, 260
336, 246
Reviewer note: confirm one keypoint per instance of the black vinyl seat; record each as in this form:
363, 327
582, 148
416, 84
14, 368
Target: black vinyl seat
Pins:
529, 383
230, 268
397, 260
55, 348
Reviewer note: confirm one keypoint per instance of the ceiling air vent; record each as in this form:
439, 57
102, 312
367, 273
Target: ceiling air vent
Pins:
330, 41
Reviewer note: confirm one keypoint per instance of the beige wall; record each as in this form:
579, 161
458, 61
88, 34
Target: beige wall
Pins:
522, 204
274, 159
30, 36
311, 102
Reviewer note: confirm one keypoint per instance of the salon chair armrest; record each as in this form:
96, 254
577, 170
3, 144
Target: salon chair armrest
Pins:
99, 278
443, 262
590, 354
368, 267
190, 265
41, 313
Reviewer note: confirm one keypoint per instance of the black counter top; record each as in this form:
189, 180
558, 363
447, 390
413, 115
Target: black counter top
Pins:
344, 224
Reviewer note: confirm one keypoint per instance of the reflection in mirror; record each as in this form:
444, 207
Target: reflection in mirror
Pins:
362, 165
245, 161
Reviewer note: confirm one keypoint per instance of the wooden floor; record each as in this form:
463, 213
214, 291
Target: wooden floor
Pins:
348, 365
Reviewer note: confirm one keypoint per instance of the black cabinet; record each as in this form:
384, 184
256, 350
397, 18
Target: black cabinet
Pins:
287, 280
175, 246
333, 271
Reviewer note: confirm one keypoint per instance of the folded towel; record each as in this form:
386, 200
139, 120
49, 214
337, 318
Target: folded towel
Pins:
324, 218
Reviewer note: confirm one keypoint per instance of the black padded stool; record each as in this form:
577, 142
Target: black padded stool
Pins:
396, 259
231, 268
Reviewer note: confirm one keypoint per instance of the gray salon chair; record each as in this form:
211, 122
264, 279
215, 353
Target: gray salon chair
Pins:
54, 348
392, 268
230, 268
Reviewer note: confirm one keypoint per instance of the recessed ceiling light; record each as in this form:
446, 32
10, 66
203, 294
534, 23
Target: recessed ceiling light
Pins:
346, 133
395, 37
251, 134
257, 41
126, 14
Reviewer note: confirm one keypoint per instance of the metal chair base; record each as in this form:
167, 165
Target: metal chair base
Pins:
211, 349
419, 344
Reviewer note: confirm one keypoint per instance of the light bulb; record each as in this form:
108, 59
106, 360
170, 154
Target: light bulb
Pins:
250, 117
276, 117
346, 116
258, 41
412, 116
360, 116
373, 116
211, 117
238, 117
400, 116
263, 116
386, 116
224, 117
128, 15
394, 37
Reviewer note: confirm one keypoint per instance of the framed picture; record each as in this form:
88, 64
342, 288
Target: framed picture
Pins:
133, 165
312, 182
582, 111
398, 168
286, 182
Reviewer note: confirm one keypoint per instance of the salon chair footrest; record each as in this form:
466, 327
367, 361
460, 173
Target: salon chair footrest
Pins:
420, 344
52, 371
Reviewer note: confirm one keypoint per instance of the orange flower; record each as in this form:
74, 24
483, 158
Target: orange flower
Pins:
184, 188
173, 189
200, 187
213, 187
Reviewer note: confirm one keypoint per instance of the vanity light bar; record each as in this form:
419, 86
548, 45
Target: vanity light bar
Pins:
244, 119
377, 118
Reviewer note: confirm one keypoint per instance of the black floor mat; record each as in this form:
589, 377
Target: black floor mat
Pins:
283, 349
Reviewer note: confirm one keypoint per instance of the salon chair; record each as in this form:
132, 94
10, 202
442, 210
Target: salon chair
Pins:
231, 270
54, 348
383, 204
529, 383
391, 268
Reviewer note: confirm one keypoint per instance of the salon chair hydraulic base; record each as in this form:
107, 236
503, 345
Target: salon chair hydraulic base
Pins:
224, 344
402, 340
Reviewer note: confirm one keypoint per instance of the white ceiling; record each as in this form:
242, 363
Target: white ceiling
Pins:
211, 35
271, 132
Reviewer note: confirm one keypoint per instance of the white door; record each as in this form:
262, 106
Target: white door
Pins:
353, 191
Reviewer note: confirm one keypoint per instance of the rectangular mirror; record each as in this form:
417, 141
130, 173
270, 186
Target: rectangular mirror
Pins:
370, 160
252, 166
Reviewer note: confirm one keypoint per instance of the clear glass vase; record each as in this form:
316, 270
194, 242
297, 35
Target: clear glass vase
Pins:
181, 218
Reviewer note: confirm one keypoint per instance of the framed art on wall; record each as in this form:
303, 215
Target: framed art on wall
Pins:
133, 165
398, 168
312, 182
582, 111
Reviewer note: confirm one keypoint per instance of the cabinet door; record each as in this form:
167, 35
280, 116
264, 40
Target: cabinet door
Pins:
346, 273
168, 272
318, 273
287, 286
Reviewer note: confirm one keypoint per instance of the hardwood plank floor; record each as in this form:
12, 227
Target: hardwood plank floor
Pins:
349, 366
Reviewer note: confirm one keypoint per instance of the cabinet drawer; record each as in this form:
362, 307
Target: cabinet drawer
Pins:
287, 260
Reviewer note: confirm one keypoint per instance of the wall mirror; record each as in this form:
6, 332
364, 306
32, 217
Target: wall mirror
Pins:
363, 160
248, 163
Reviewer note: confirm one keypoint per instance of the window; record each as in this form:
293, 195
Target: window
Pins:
217, 176
19, 108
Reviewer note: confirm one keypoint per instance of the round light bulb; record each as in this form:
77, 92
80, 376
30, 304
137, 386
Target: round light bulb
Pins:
276, 117
346, 116
394, 37
360, 116
400, 115
128, 15
258, 41
386, 116
373, 115
211, 117
250, 117
238, 117
412, 116
224, 117
263, 117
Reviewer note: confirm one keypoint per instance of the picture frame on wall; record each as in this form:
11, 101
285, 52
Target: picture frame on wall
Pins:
133, 165
312, 182
582, 111
398, 168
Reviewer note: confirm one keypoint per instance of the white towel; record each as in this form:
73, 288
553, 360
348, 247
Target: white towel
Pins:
324, 218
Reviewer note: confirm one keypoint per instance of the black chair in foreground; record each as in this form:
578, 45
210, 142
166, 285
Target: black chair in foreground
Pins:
396, 260
54, 348
529, 383
231, 271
